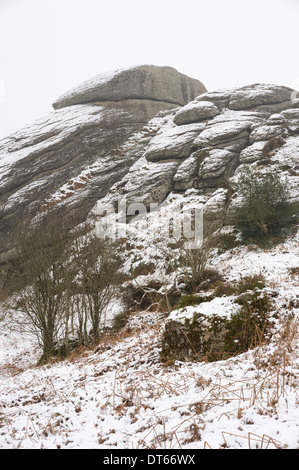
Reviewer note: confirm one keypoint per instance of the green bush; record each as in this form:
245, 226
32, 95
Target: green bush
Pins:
247, 283
250, 283
265, 209
226, 241
120, 320
191, 299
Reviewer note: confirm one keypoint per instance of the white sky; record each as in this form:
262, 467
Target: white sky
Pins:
49, 46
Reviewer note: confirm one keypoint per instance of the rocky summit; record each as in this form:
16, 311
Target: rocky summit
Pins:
145, 133
145, 82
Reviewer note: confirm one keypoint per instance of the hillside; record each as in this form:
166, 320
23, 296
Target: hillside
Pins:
153, 142
119, 395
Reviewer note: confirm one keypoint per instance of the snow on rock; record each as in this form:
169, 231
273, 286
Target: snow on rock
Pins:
227, 127
69, 160
45, 133
221, 306
172, 142
264, 133
75, 160
215, 163
252, 153
186, 171
260, 94
195, 111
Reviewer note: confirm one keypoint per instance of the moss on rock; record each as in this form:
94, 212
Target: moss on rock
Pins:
212, 337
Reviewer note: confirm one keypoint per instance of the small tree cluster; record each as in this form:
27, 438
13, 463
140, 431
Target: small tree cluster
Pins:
62, 285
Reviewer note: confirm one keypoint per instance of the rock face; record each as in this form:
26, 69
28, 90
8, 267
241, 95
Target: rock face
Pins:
73, 156
204, 144
195, 111
145, 133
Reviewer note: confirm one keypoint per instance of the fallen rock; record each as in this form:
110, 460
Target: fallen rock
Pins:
211, 329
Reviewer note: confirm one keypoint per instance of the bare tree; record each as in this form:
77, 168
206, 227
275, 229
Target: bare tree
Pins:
98, 277
193, 262
39, 281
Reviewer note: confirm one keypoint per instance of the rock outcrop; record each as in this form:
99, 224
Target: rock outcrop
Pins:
204, 144
73, 156
216, 327
145, 134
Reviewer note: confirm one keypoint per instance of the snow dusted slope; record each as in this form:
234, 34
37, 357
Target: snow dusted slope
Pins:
120, 396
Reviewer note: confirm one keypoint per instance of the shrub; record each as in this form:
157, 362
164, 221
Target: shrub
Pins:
120, 320
190, 299
250, 283
247, 283
226, 241
193, 265
265, 208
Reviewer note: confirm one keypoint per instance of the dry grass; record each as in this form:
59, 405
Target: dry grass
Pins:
254, 441
136, 387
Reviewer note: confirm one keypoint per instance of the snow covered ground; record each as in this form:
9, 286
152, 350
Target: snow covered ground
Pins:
120, 396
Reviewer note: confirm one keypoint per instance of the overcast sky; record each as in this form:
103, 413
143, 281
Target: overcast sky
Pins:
49, 46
